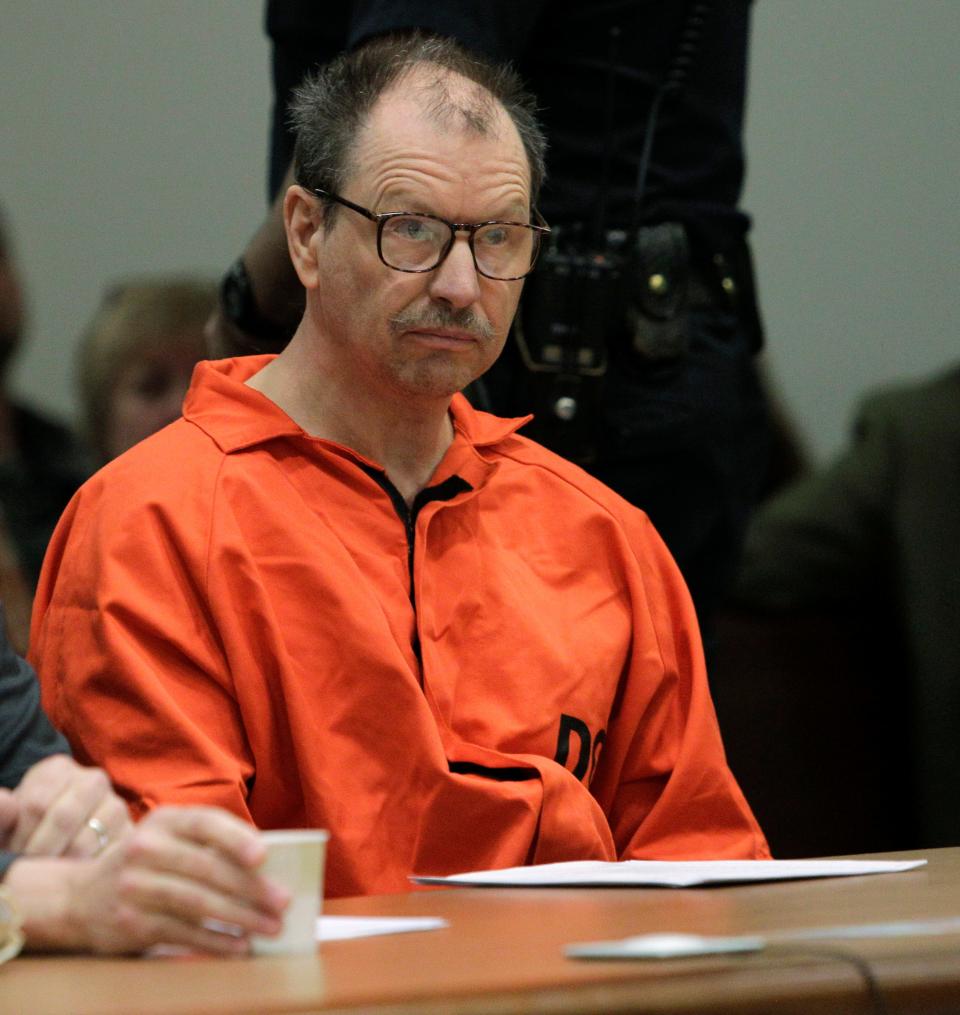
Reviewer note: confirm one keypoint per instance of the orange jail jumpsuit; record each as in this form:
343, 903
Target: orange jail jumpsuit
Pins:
237, 613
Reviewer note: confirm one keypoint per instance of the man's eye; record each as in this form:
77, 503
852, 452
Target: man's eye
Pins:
412, 229
495, 236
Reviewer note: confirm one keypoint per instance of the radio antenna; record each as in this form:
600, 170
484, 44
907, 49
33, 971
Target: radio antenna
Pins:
691, 35
609, 113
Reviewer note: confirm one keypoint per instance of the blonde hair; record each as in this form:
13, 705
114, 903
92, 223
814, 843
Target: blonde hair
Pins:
136, 315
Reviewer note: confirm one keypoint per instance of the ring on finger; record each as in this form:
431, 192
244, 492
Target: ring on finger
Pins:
103, 836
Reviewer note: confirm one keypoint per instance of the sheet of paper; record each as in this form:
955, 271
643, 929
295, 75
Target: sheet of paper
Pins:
340, 928
667, 873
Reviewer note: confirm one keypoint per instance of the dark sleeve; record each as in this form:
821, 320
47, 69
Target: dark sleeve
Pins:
26, 735
5, 860
826, 540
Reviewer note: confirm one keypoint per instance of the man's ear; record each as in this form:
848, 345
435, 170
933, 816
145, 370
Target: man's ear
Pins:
302, 220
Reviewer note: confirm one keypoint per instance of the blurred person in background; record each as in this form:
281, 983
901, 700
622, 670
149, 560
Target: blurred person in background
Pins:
873, 539
16, 596
136, 359
135, 362
41, 464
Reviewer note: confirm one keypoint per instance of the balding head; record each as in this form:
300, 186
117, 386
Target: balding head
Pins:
459, 90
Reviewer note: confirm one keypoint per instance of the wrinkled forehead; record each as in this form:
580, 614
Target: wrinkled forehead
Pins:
432, 111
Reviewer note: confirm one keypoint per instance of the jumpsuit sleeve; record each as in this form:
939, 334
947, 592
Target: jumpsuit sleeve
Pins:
132, 667
663, 778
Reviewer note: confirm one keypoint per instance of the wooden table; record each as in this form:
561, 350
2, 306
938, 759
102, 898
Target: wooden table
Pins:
502, 953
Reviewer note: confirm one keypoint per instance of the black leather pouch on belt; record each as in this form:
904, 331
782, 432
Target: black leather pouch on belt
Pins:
658, 280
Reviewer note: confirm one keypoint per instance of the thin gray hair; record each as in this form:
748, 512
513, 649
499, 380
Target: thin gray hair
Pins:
331, 107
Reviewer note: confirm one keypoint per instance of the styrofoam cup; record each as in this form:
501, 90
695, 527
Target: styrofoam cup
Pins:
295, 859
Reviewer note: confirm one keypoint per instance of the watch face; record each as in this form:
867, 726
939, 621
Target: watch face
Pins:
240, 308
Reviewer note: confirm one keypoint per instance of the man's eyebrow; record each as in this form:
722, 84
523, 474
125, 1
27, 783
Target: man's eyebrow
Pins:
401, 200
515, 213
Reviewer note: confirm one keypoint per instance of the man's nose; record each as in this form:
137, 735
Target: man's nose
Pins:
456, 280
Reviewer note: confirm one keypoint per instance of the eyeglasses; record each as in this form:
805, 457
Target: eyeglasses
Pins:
416, 242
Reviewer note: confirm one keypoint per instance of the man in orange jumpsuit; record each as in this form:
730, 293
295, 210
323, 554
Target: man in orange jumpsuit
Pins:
334, 594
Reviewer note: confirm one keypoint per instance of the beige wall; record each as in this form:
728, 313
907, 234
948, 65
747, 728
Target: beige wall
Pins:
854, 142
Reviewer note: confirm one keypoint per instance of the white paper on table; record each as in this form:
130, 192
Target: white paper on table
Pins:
340, 928
666, 873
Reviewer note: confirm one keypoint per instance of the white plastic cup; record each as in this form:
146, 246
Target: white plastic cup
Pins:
295, 859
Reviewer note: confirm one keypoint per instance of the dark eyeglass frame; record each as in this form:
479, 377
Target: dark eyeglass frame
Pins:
539, 229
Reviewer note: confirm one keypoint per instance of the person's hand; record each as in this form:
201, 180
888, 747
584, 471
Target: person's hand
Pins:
179, 868
277, 291
64, 809
183, 876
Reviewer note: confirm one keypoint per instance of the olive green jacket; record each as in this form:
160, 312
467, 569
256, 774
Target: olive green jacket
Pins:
879, 530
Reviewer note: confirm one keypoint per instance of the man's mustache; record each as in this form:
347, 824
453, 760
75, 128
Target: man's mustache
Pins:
443, 317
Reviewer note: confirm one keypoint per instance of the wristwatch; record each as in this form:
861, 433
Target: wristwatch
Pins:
240, 308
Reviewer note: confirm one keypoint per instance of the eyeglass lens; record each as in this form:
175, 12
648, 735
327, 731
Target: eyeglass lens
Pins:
418, 243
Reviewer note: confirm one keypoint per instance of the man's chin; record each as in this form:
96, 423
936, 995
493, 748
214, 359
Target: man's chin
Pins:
434, 388
439, 377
